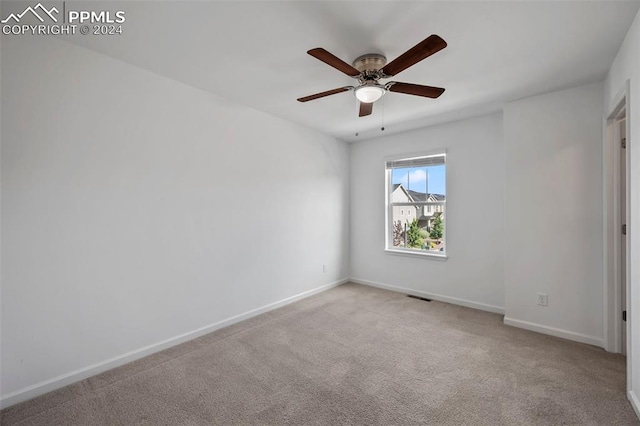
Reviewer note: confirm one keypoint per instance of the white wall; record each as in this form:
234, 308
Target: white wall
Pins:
626, 67
117, 233
473, 273
553, 213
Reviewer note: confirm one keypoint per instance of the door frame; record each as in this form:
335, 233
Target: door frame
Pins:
612, 224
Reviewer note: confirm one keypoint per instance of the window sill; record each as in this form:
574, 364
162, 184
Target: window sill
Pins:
411, 253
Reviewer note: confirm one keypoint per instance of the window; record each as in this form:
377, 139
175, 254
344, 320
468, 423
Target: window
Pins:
419, 184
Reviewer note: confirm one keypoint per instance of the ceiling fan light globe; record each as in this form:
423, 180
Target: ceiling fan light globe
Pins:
369, 94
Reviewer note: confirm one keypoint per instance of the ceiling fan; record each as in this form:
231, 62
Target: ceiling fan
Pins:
369, 69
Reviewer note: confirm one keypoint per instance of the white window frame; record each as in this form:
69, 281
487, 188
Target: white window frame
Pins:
389, 248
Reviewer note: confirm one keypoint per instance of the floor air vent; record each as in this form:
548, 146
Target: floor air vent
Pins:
418, 297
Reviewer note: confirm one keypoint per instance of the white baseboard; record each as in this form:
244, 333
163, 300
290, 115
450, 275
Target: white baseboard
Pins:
433, 296
41, 388
635, 402
557, 332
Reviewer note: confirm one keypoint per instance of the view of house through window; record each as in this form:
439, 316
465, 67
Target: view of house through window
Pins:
416, 204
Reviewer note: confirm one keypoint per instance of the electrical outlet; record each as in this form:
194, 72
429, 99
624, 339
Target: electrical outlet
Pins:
543, 299
324, 268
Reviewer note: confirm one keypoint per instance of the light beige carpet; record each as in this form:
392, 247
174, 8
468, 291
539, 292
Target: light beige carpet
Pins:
353, 355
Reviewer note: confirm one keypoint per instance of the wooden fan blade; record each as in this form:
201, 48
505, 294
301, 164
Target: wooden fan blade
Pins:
365, 109
334, 61
420, 51
416, 89
323, 94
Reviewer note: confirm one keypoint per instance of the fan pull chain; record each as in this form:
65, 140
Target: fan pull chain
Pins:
357, 109
382, 128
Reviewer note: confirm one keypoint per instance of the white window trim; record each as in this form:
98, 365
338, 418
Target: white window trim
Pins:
407, 252
388, 210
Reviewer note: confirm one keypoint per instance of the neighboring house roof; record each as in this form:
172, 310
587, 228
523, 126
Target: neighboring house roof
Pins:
420, 196
399, 187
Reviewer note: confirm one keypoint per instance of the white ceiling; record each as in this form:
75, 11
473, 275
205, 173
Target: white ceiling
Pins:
254, 53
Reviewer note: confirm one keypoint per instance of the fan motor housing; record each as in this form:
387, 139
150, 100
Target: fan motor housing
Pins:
369, 62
